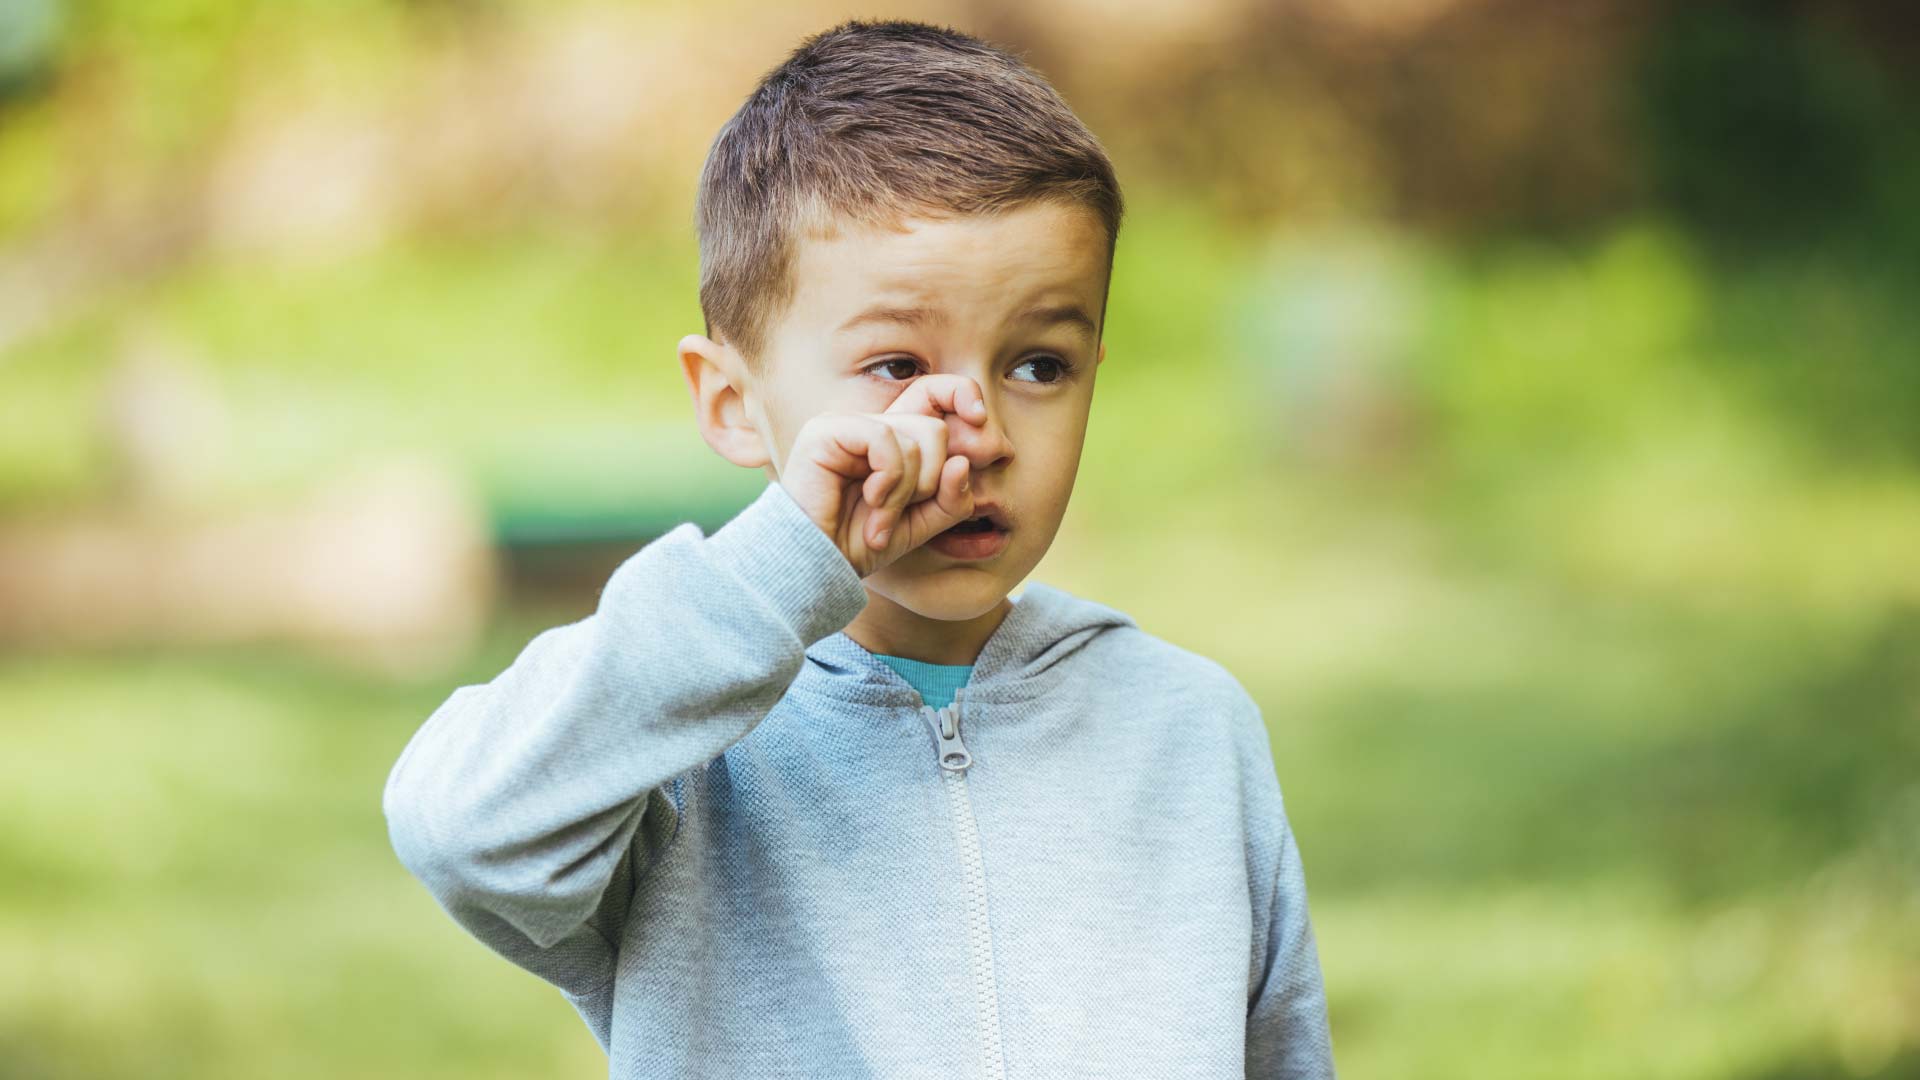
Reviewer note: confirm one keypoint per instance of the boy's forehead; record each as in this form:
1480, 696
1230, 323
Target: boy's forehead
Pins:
974, 262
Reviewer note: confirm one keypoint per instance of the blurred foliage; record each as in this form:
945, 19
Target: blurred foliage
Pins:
1536, 387
1767, 129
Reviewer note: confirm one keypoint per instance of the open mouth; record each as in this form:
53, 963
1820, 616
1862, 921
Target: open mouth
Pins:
976, 538
974, 525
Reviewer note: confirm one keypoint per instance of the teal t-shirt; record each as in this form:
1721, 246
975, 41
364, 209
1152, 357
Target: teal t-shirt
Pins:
936, 682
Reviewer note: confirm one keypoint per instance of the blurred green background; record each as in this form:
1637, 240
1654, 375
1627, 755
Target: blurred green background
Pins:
1522, 399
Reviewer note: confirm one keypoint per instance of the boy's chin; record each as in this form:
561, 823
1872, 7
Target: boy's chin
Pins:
938, 588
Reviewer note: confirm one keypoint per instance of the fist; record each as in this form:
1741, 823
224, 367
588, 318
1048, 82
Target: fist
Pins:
881, 484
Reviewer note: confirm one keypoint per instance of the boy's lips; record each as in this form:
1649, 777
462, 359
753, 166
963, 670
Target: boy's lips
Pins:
992, 512
958, 542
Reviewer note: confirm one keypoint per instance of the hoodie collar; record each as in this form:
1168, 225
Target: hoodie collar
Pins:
1019, 659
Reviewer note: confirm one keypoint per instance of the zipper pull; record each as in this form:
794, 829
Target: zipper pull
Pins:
953, 753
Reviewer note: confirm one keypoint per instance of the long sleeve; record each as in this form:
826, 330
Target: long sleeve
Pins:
1287, 1033
530, 804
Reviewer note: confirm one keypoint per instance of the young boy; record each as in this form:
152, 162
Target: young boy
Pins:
812, 796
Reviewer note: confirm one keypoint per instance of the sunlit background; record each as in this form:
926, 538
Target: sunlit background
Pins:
1522, 399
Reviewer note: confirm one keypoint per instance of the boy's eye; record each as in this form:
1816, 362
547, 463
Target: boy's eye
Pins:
896, 364
1058, 367
906, 368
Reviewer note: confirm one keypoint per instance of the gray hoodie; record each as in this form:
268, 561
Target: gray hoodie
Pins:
742, 846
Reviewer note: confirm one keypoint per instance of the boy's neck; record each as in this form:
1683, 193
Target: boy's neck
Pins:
885, 628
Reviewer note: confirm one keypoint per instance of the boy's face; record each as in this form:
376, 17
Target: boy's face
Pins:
975, 280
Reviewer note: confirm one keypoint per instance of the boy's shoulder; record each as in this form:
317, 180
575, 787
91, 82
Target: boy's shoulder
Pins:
1175, 667
1138, 664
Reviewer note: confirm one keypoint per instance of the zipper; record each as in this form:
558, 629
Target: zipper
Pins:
954, 759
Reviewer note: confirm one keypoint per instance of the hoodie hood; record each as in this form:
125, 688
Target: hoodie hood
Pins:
1045, 626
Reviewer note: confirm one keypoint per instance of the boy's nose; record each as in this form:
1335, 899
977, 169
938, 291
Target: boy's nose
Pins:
985, 444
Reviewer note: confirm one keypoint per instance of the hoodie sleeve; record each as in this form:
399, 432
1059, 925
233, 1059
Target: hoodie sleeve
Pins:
529, 805
1287, 1033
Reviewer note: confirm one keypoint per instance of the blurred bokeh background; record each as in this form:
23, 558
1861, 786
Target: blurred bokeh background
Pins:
1522, 399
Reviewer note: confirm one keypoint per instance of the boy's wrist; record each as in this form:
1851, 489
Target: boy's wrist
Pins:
773, 546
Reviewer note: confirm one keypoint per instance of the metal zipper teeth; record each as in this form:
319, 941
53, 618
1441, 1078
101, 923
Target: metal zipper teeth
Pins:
954, 759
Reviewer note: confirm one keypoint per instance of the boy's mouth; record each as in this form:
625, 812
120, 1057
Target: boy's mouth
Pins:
976, 525
980, 537
988, 517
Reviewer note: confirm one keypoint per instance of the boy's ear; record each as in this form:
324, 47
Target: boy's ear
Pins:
715, 377
1101, 355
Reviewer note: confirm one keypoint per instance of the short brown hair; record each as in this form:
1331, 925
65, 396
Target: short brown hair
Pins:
874, 121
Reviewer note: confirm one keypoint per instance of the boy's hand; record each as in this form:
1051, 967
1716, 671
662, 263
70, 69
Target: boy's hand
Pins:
881, 484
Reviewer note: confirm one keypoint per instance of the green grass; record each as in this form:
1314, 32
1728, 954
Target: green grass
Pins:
198, 884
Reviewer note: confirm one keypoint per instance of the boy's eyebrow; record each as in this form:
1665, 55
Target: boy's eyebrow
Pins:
894, 316
1055, 314
1050, 315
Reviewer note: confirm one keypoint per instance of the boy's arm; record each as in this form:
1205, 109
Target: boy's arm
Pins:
518, 801
1287, 1033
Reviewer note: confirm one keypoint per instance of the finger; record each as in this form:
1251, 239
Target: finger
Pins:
907, 491
933, 458
919, 467
882, 461
885, 458
901, 489
951, 504
925, 440
842, 445
938, 394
